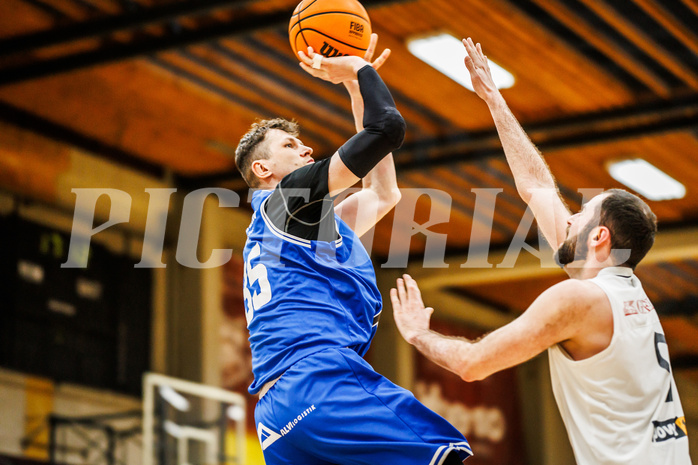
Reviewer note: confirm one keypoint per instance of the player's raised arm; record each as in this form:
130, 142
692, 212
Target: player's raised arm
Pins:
379, 190
383, 126
534, 181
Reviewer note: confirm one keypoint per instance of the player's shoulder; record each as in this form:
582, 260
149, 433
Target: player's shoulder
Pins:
578, 292
258, 197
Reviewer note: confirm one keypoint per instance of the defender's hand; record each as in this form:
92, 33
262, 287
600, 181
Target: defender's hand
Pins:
479, 70
411, 317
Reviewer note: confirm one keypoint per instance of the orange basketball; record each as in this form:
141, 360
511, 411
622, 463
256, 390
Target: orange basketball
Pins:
332, 27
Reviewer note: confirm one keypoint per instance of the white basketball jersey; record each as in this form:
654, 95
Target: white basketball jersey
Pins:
621, 406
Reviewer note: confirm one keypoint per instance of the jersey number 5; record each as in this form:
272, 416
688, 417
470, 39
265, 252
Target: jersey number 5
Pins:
255, 274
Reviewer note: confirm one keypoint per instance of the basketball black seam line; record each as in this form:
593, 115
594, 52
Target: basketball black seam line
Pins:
294, 10
300, 27
307, 45
329, 37
305, 8
301, 10
327, 12
300, 31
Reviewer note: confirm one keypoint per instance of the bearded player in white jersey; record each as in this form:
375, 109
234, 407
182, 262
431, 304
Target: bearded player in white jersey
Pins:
609, 361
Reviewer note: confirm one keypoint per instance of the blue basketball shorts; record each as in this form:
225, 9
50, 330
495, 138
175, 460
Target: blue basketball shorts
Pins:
333, 408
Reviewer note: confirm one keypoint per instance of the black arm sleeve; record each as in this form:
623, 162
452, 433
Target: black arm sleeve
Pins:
301, 205
384, 127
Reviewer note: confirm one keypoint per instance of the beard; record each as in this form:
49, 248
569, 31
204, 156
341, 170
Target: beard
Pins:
573, 249
567, 251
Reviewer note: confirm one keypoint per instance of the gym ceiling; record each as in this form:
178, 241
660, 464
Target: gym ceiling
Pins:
166, 88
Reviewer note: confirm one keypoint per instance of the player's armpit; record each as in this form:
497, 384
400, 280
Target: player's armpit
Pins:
340, 177
379, 194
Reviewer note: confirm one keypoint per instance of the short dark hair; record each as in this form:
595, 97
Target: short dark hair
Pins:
631, 223
251, 148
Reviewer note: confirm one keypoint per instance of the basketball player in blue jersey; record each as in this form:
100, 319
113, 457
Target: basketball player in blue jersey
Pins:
311, 299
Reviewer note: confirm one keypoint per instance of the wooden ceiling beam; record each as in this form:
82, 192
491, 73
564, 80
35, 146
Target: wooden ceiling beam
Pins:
107, 25
337, 118
62, 134
607, 47
420, 116
669, 246
687, 306
589, 128
578, 130
691, 5
113, 53
684, 362
645, 43
654, 9
140, 47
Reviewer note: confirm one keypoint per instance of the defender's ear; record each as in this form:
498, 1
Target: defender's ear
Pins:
599, 235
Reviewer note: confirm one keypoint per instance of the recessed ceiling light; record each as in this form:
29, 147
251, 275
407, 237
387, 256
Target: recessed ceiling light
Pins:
646, 179
446, 53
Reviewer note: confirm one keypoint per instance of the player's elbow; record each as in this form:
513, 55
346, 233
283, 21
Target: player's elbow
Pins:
524, 193
531, 186
471, 375
470, 371
396, 128
393, 196
393, 128
388, 198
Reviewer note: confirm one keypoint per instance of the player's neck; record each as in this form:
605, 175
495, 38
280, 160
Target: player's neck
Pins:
580, 270
589, 268
268, 186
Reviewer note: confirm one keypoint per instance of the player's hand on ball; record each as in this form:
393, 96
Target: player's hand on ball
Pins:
334, 69
411, 317
368, 56
353, 85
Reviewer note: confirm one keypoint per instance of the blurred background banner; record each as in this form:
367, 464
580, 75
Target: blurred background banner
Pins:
89, 326
487, 412
236, 357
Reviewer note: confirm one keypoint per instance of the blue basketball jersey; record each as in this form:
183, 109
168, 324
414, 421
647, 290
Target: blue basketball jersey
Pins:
304, 296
